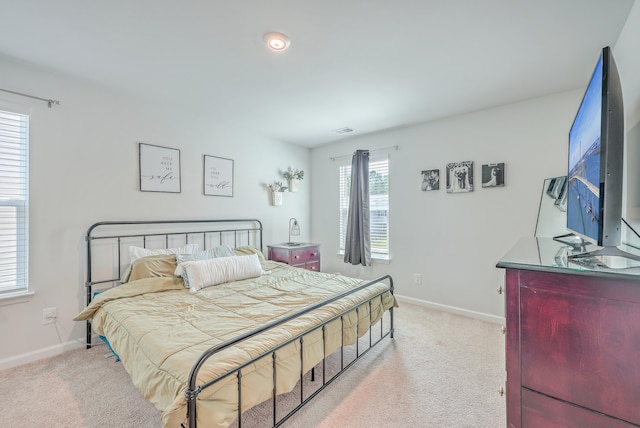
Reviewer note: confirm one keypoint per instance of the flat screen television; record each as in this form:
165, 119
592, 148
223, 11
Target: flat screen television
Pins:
596, 150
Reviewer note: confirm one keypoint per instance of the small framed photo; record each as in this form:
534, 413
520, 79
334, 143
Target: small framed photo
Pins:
460, 177
430, 179
493, 175
218, 176
159, 169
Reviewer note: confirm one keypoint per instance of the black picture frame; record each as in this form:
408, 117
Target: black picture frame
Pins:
159, 168
218, 176
493, 175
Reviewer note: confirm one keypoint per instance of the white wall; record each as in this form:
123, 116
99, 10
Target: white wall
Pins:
628, 62
626, 54
84, 169
454, 240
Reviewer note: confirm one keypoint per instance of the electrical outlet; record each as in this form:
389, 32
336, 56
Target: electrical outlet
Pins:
417, 278
49, 315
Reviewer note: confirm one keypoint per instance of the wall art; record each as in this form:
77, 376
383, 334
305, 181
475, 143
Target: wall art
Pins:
159, 169
460, 177
493, 175
430, 179
218, 176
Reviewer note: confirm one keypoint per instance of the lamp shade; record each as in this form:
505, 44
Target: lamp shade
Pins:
294, 230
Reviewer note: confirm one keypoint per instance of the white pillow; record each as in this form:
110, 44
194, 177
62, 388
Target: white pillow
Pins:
205, 273
136, 253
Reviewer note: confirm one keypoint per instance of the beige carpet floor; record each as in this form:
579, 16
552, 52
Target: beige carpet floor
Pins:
440, 370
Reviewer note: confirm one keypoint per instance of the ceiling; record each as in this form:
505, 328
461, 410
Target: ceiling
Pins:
369, 65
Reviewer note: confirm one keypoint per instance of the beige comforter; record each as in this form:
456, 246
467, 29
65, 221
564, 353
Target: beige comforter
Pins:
159, 329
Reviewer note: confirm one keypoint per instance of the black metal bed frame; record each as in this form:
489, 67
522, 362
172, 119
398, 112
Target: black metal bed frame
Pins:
253, 226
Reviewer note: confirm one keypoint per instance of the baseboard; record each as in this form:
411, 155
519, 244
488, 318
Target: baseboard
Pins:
50, 351
452, 309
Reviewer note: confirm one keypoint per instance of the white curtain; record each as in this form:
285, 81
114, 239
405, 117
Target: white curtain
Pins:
357, 245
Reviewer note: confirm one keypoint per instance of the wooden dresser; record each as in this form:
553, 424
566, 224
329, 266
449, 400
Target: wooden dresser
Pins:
572, 340
304, 255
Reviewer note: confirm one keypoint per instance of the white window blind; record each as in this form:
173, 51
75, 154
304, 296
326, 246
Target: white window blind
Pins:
378, 205
14, 201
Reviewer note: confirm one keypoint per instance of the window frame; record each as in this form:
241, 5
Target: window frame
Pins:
14, 192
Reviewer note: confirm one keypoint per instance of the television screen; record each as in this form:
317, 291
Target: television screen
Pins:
596, 147
583, 209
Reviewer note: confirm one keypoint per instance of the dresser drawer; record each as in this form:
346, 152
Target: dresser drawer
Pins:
304, 255
542, 411
279, 255
576, 347
314, 266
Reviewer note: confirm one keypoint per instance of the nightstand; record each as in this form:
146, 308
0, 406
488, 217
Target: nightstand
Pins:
303, 255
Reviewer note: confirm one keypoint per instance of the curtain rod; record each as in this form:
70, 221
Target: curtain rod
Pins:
49, 101
396, 147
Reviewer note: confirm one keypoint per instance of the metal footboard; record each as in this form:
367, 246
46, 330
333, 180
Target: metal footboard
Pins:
193, 390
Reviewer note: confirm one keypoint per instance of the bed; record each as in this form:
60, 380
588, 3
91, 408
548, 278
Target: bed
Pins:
206, 354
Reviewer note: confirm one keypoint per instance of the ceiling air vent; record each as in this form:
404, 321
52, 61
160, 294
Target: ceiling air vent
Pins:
343, 130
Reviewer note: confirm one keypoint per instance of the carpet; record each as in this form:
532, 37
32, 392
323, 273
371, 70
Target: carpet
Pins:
440, 370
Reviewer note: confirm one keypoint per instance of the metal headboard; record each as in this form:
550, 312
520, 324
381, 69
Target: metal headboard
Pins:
113, 235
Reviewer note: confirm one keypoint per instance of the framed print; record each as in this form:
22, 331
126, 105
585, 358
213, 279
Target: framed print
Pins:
460, 177
431, 179
493, 175
218, 176
159, 169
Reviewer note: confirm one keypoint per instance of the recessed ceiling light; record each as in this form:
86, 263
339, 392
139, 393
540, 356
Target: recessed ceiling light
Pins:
277, 41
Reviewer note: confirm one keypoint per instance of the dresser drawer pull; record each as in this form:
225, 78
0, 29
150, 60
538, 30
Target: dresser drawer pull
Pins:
500, 290
503, 329
313, 268
296, 257
501, 391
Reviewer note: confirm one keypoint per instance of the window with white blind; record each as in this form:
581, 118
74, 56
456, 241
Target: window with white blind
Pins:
378, 205
14, 202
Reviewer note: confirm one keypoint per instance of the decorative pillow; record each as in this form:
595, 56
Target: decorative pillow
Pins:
222, 251
206, 273
248, 249
211, 253
151, 266
138, 252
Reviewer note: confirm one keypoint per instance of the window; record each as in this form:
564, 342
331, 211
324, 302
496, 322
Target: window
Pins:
378, 205
14, 202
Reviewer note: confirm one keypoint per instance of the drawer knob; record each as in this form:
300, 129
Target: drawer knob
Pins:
503, 329
501, 391
313, 268
314, 254
500, 290
296, 257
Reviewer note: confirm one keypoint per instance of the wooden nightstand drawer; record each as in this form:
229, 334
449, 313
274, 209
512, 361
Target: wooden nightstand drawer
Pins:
314, 266
305, 256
